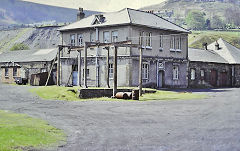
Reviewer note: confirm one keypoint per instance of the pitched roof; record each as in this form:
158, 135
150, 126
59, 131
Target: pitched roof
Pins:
205, 56
29, 55
227, 51
126, 16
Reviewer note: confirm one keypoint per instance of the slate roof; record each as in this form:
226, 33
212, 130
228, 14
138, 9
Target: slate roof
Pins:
126, 16
28, 55
205, 56
227, 51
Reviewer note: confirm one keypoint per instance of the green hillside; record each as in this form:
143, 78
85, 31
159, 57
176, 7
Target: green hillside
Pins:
197, 38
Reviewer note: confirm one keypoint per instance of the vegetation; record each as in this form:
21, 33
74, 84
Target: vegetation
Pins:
63, 93
19, 46
20, 132
195, 20
197, 38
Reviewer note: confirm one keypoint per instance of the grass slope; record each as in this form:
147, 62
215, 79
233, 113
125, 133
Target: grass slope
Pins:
62, 93
20, 132
197, 38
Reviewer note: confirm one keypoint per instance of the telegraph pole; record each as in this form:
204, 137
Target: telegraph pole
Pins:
107, 48
85, 64
115, 72
140, 71
79, 67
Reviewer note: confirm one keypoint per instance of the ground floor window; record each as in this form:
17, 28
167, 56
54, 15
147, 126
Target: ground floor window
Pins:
87, 73
6, 72
193, 74
14, 71
145, 71
110, 71
202, 73
175, 72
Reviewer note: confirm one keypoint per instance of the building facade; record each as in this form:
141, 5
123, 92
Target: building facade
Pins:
164, 47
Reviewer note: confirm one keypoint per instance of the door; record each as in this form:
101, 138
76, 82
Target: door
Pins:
223, 79
213, 78
75, 78
160, 79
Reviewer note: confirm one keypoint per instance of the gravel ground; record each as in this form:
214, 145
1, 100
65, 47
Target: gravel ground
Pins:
211, 124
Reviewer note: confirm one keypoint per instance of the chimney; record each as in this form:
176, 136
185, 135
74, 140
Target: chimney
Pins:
205, 46
80, 14
217, 45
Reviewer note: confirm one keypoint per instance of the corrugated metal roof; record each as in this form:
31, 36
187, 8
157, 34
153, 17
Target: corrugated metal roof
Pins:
29, 55
227, 51
126, 16
205, 56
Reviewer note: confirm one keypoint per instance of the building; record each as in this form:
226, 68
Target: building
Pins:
24, 63
165, 47
216, 66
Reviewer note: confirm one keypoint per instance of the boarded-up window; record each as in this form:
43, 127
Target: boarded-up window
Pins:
175, 72
6, 72
14, 71
106, 37
115, 36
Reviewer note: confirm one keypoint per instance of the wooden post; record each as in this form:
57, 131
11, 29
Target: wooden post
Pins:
115, 72
58, 65
140, 71
79, 68
85, 64
108, 85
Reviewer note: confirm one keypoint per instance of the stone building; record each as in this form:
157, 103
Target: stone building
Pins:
24, 63
165, 47
216, 66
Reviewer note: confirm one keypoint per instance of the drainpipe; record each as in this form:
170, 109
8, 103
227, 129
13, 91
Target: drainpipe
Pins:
157, 73
96, 59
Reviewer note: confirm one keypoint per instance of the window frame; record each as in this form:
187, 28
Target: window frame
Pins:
80, 39
15, 73
104, 38
115, 36
202, 73
175, 73
6, 72
145, 70
110, 70
148, 39
161, 42
193, 74
72, 39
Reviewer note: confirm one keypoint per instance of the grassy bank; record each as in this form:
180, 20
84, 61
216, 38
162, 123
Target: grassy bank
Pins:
197, 38
20, 132
64, 93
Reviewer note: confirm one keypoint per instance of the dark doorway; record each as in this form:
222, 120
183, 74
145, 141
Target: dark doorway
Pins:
213, 78
223, 79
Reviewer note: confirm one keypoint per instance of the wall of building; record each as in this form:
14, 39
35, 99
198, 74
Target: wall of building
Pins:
236, 79
206, 80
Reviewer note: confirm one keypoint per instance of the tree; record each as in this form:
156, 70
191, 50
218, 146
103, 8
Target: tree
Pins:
195, 20
232, 16
19, 46
217, 22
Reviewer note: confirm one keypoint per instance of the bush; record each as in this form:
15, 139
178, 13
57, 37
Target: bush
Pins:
19, 46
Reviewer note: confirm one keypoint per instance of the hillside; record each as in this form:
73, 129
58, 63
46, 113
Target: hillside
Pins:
34, 38
177, 10
20, 12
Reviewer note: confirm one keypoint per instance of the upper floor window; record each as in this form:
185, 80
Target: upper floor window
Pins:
175, 72
172, 42
161, 42
178, 42
149, 39
72, 40
141, 34
6, 72
193, 74
80, 40
145, 71
106, 37
114, 36
14, 71
110, 71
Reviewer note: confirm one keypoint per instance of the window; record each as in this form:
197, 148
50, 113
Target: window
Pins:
141, 38
106, 37
43, 70
72, 40
145, 70
172, 43
115, 36
14, 71
6, 72
193, 74
80, 40
178, 42
161, 42
202, 73
149, 39
110, 71
175, 72
87, 73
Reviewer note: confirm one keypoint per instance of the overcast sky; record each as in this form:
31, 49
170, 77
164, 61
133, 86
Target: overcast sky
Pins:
99, 5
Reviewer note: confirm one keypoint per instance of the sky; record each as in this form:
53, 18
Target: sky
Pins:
99, 5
